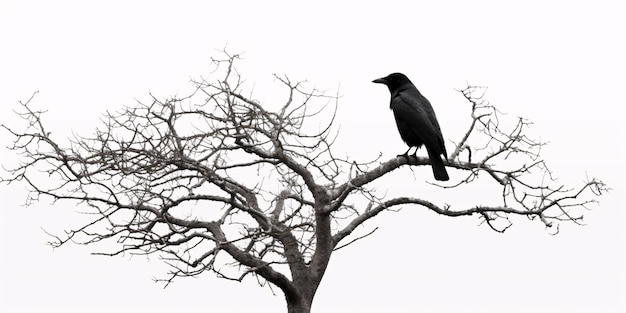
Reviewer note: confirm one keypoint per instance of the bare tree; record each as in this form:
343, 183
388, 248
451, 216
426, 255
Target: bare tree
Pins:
217, 181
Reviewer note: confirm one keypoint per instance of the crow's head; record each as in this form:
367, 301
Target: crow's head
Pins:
393, 81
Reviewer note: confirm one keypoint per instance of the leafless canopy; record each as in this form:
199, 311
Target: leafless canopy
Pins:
217, 179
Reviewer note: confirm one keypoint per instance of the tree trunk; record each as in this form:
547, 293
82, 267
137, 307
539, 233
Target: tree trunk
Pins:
299, 303
298, 307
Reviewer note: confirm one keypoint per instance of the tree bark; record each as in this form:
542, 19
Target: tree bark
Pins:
298, 304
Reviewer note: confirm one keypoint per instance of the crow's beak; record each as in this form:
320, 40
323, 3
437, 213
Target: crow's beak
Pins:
380, 81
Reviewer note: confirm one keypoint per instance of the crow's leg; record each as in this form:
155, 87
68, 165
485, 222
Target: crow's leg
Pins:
406, 154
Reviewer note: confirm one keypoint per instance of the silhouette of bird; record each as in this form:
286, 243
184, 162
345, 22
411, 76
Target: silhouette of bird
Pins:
416, 121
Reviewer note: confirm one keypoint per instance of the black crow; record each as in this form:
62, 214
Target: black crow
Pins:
416, 121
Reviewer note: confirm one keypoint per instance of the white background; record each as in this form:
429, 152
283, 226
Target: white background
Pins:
560, 64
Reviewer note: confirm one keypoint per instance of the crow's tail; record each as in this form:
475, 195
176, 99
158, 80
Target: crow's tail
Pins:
439, 170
